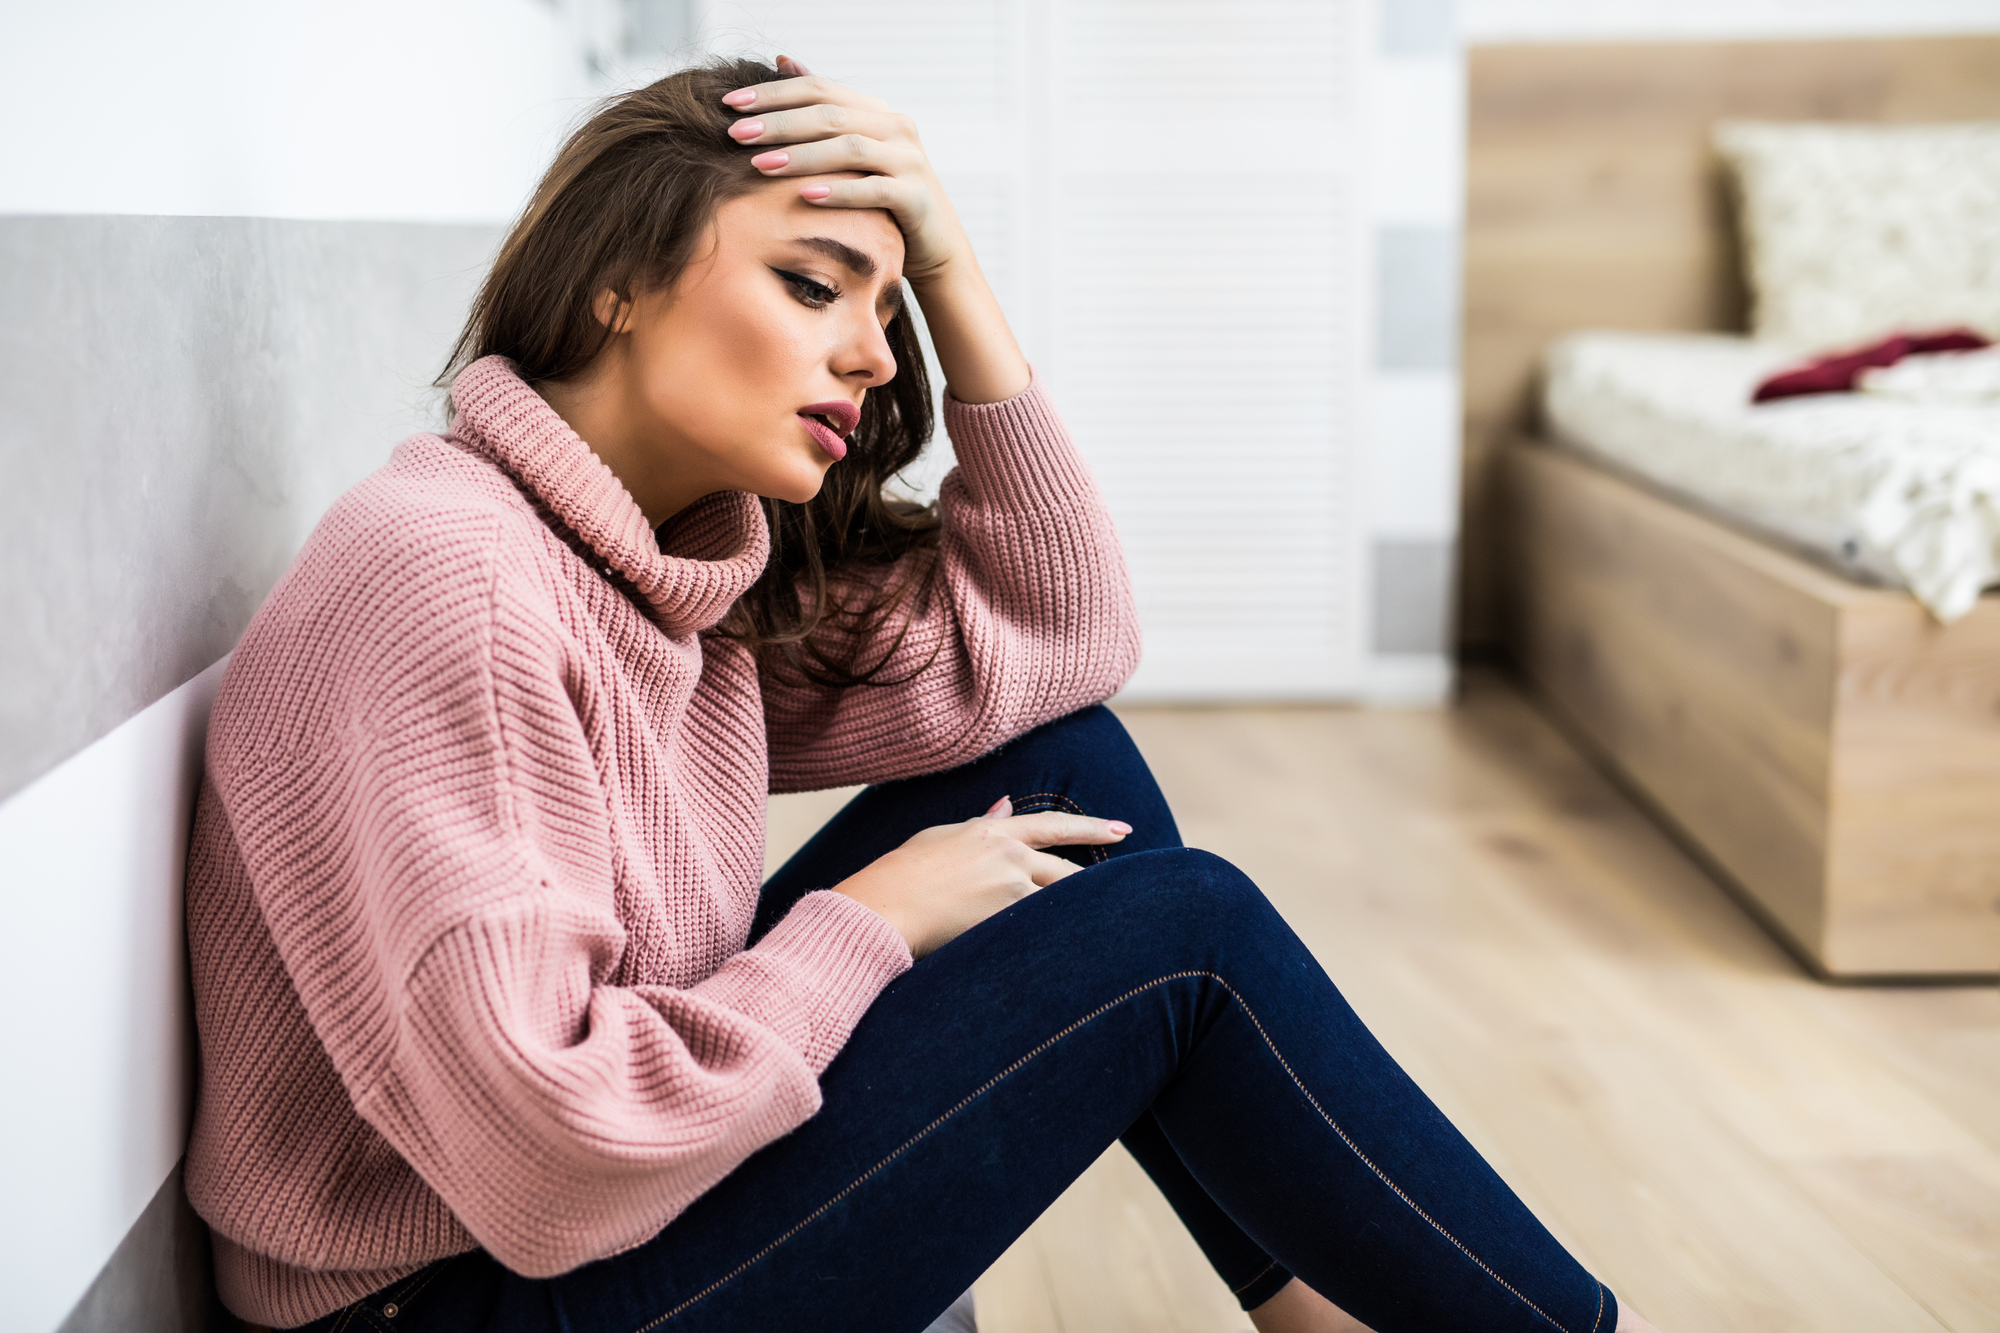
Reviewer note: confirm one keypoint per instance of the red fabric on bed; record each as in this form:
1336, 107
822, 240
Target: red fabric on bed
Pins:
1838, 373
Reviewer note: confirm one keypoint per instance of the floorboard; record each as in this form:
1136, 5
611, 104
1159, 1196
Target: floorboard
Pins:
1728, 1143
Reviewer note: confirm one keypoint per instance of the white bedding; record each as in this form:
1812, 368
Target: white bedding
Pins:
1900, 486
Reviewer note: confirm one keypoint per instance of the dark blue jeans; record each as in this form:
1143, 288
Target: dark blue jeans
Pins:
1157, 997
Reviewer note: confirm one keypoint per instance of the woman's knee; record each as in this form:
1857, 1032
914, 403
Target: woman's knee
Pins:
1184, 892
1090, 732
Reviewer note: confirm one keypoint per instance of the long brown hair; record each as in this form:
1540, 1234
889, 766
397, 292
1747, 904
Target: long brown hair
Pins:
624, 205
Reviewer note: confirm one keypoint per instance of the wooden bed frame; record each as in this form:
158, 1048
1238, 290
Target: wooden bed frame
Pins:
1829, 749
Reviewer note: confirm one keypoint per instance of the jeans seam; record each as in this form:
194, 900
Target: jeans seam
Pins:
909, 1143
1597, 1318
1255, 1278
1036, 1051
1380, 1174
1097, 854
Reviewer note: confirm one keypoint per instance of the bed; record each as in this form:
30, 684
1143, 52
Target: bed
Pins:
1898, 486
1828, 746
1774, 624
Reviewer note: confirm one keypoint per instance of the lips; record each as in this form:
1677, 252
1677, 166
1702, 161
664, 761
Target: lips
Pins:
830, 424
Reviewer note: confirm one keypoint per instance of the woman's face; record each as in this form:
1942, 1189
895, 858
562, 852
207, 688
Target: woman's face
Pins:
748, 372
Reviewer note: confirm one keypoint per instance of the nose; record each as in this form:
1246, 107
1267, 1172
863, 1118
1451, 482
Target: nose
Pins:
863, 356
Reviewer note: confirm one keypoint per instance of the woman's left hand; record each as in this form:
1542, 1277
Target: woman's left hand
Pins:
826, 128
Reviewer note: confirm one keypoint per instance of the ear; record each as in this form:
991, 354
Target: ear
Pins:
611, 310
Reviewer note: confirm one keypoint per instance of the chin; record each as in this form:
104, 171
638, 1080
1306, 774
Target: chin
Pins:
796, 489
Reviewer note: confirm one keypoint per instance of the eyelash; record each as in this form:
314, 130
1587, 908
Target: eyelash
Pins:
817, 295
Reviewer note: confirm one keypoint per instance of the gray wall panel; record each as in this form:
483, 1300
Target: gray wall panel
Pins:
180, 399
158, 1279
1412, 595
1416, 298
1416, 27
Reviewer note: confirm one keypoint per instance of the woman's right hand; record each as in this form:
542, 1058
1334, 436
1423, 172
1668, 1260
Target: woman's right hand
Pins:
948, 879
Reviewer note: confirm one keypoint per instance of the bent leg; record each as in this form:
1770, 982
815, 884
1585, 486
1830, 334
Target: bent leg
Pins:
1251, 1275
1085, 763
988, 1077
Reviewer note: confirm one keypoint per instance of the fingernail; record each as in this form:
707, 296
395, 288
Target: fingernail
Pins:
746, 129
742, 97
815, 192
770, 161
1118, 826
1004, 803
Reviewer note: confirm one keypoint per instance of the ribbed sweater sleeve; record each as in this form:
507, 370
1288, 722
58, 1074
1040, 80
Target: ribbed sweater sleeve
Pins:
423, 820
1024, 613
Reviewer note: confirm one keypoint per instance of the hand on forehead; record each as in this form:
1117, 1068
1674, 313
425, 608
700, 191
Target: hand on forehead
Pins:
841, 151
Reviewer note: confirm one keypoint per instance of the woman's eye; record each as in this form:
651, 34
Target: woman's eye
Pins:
815, 294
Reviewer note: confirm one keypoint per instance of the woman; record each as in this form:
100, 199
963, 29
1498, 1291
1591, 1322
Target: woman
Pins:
497, 1031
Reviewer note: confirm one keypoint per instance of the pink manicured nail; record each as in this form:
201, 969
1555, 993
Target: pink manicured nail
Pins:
1005, 805
741, 98
815, 192
1118, 826
745, 130
770, 161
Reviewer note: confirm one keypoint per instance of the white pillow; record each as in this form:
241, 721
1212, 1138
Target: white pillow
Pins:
1854, 232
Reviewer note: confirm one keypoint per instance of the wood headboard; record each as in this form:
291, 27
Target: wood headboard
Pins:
1593, 200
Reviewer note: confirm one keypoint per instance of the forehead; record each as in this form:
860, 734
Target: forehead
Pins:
773, 211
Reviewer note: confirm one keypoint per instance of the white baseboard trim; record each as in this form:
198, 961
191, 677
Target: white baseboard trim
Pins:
95, 1030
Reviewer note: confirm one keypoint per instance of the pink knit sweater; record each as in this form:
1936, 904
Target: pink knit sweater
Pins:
480, 840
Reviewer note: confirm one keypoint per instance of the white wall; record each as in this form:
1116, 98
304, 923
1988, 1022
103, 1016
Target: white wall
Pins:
418, 110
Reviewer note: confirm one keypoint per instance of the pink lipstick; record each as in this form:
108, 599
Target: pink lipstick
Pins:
830, 423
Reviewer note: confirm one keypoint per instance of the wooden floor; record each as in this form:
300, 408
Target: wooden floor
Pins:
1729, 1144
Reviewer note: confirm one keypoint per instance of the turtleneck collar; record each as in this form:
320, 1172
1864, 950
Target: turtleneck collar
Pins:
718, 544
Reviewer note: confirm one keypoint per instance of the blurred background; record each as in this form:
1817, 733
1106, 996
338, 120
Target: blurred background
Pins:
238, 236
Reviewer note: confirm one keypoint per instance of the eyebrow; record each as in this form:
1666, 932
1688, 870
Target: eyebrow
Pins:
840, 252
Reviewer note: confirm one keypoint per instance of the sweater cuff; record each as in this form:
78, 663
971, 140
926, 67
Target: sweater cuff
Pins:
1017, 451
843, 954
